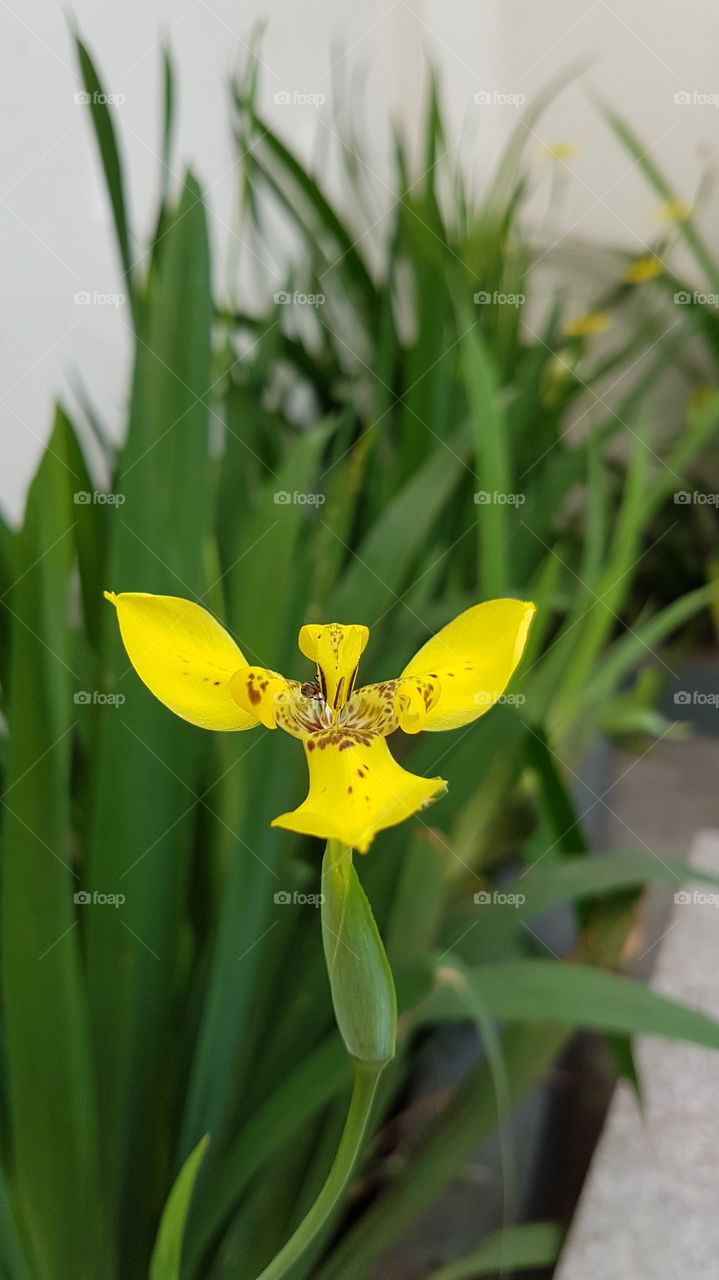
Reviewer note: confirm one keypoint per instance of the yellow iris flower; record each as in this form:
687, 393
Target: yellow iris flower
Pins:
356, 787
642, 269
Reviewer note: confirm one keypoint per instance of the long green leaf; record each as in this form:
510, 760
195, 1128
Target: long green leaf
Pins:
578, 995
531, 1246
147, 778
56, 1174
165, 1261
104, 129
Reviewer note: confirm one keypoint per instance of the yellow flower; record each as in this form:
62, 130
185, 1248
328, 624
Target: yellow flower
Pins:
356, 788
674, 211
643, 269
585, 326
561, 150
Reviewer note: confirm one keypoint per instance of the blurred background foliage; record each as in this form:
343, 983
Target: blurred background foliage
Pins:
407, 399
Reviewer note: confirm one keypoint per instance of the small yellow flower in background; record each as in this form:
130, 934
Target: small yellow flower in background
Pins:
674, 211
356, 788
561, 150
585, 326
640, 269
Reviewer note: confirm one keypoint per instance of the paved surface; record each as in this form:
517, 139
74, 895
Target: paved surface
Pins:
649, 1207
656, 802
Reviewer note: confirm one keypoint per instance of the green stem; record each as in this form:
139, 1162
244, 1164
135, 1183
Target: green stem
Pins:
366, 1077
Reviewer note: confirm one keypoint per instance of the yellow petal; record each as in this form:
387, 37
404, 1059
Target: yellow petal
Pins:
413, 700
356, 789
473, 658
184, 657
336, 650
585, 326
257, 691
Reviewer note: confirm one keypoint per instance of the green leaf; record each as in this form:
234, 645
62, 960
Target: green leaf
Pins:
372, 580
146, 763
166, 1255
641, 155
57, 1184
493, 473
101, 117
532, 1245
560, 806
578, 995
303, 199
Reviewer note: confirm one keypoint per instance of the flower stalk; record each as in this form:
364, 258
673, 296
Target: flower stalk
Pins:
366, 1077
365, 1007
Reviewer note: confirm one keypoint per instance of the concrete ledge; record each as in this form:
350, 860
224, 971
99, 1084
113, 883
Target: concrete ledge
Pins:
650, 1204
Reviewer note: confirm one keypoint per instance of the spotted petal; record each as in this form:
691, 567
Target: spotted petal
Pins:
473, 658
356, 789
184, 657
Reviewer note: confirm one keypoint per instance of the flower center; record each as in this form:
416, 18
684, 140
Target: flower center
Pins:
336, 650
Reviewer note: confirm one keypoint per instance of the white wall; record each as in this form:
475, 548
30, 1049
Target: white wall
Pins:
54, 222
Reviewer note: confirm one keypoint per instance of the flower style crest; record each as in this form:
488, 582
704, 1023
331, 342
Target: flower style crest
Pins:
356, 787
